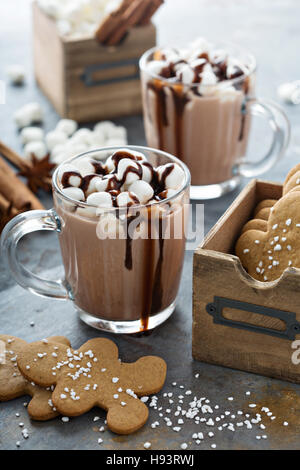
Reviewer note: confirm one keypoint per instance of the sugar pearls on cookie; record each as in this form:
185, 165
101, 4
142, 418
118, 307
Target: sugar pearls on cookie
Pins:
125, 179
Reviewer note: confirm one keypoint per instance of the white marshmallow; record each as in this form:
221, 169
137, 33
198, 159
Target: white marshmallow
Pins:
74, 193
169, 193
15, 74
105, 128
114, 141
208, 77
92, 187
125, 199
122, 168
57, 149
27, 114
110, 164
155, 67
83, 135
147, 173
118, 132
54, 138
289, 92
143, 190
84, 166
37, 148
200, 45
67, 126
31, 134
186, 74
175, 179
64, 27
101, 199
64, 168
52, 8
102, 183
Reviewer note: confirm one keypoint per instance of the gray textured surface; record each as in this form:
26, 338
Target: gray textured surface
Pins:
270, 28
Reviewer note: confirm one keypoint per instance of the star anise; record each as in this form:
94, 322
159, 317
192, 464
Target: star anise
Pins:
7, 213
38, 173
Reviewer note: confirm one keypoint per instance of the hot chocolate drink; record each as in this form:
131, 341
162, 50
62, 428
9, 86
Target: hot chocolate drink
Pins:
123, 233
194, 107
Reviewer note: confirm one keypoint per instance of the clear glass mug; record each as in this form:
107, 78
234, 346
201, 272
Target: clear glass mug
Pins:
121, 278
210, 132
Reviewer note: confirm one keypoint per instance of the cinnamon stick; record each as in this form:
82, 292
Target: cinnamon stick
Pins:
155, 4
12, 156
111, 21
129, 14
15, 191
133, 14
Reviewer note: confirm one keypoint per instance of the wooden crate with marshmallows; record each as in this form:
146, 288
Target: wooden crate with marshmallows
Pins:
89, 72
246, 286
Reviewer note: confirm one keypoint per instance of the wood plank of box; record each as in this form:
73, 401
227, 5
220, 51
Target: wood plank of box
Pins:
219, 274
84, 80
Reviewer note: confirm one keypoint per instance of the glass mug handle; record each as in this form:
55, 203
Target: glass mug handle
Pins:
19, 226
280, 126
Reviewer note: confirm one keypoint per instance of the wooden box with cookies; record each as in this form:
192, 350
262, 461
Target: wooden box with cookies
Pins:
90, 71
246, 309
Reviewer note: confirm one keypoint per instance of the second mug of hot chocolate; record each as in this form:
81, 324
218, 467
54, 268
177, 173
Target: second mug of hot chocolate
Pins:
121, 216
198, 103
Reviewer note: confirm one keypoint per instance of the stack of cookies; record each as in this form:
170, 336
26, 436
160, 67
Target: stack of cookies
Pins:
270, 242
70, 382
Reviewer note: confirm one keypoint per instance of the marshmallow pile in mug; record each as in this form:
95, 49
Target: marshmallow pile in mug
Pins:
125, 179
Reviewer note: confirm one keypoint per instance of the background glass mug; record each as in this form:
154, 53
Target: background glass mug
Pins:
121, 285
210, 132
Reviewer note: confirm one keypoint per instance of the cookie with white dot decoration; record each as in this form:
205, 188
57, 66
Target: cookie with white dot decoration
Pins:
14, 385
292, 180
92, 376
265, 255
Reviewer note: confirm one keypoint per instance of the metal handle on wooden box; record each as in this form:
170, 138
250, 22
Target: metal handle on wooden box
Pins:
87, 76
215, 309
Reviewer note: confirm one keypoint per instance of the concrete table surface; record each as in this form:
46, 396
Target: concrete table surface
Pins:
270, 29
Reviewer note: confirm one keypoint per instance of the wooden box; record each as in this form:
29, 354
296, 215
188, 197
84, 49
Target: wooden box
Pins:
84, 80
240, 322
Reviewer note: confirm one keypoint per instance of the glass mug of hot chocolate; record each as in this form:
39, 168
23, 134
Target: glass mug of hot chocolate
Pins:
198, 104
121, 216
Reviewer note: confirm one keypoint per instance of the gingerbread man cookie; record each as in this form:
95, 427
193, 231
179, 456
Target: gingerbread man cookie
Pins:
265, 203
94, 376
292, 180
265, 255
255, 224
14, 385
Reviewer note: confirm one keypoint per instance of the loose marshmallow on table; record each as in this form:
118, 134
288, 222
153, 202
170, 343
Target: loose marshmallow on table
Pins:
15, 74
31, 134
36, 148
289, 92
67, 126
28, 114
54, 138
